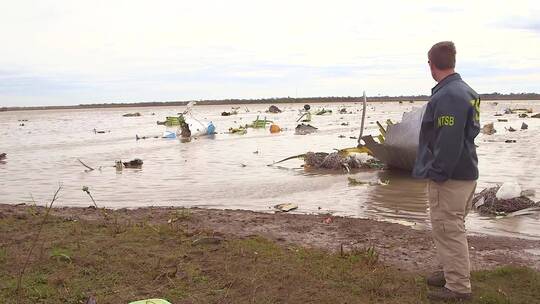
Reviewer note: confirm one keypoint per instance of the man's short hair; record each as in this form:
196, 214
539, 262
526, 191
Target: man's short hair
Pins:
443, 55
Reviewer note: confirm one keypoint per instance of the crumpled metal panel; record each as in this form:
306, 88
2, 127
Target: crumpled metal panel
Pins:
401, 141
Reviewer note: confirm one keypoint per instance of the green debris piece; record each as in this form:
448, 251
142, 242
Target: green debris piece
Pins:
260, 123
151, 301
324, 111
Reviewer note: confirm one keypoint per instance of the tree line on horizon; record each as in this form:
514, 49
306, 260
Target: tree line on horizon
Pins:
278, 100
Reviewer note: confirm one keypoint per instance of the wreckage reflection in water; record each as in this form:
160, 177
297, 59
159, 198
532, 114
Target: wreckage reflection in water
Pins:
230, 171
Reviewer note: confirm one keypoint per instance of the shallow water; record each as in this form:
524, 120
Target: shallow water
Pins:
224, 172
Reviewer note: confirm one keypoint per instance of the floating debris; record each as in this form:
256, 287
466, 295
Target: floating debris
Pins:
3, 156
136, 114
259, 123
286, 207
536, 115
238, 131
324, 111
134, 164
275, 128
524, 126
523, 115
510, 141
273, 109
486, 202
489, 129
303, 129
502, 120
355, 182
511, 129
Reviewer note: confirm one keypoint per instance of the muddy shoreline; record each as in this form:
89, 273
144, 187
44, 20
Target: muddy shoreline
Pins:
398, 245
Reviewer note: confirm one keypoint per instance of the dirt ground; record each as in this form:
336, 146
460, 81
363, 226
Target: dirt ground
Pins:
397, 245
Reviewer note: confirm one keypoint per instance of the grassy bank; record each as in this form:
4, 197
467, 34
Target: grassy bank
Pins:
122, 261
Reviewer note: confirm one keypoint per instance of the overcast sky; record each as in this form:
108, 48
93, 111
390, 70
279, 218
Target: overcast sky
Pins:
72, 52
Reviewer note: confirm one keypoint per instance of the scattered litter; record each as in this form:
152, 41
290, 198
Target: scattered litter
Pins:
486, 202
528, 192
489, 129
207, 241
286, 207
328, 220
344, 123
151, 301
523, 115
136, 114
536, 115
260, 123
134, 164
498, 114
3, 156
275, 128
511, 129
524, 126
508, 190
303, 129
342, 136
353, 137
273, 109
324, 111
169, 134
355, 182
100, 131
510, 141
502, 120
239, 130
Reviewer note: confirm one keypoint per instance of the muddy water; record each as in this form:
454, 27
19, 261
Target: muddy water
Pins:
229, 171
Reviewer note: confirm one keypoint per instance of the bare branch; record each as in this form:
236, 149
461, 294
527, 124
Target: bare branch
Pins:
89, 168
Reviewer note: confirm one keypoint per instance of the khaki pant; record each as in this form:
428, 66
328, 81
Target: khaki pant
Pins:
449, 203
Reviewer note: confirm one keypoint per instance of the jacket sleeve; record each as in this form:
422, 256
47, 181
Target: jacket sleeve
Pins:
450, 118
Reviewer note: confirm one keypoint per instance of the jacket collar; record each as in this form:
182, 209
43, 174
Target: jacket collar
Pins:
445, 81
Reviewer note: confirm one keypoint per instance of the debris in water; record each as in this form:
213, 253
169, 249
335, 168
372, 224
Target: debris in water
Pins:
502, 120
136, 114
510, 141
523, 115
303, 129
486, 202
273, 109
536, 115
344, 123
324, 111
524, 126
511, 129
3, 156
355, 182
136, 163
488, 129
275, 128
286, 207
239, 130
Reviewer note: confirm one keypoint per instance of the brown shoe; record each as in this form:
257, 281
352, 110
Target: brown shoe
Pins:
446, 294
436, 279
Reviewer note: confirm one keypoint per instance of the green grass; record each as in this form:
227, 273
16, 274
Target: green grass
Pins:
119, 262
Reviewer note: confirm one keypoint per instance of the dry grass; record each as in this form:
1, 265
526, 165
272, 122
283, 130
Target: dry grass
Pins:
119, 262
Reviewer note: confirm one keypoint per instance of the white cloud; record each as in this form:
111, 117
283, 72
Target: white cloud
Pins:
91, 51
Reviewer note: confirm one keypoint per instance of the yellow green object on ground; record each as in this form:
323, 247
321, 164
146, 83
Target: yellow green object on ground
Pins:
151, 301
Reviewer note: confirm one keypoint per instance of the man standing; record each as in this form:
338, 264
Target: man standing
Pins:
447, 158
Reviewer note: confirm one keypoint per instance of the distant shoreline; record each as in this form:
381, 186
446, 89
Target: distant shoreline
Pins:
307, 100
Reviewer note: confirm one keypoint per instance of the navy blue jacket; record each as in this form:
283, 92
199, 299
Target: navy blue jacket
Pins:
450, 123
